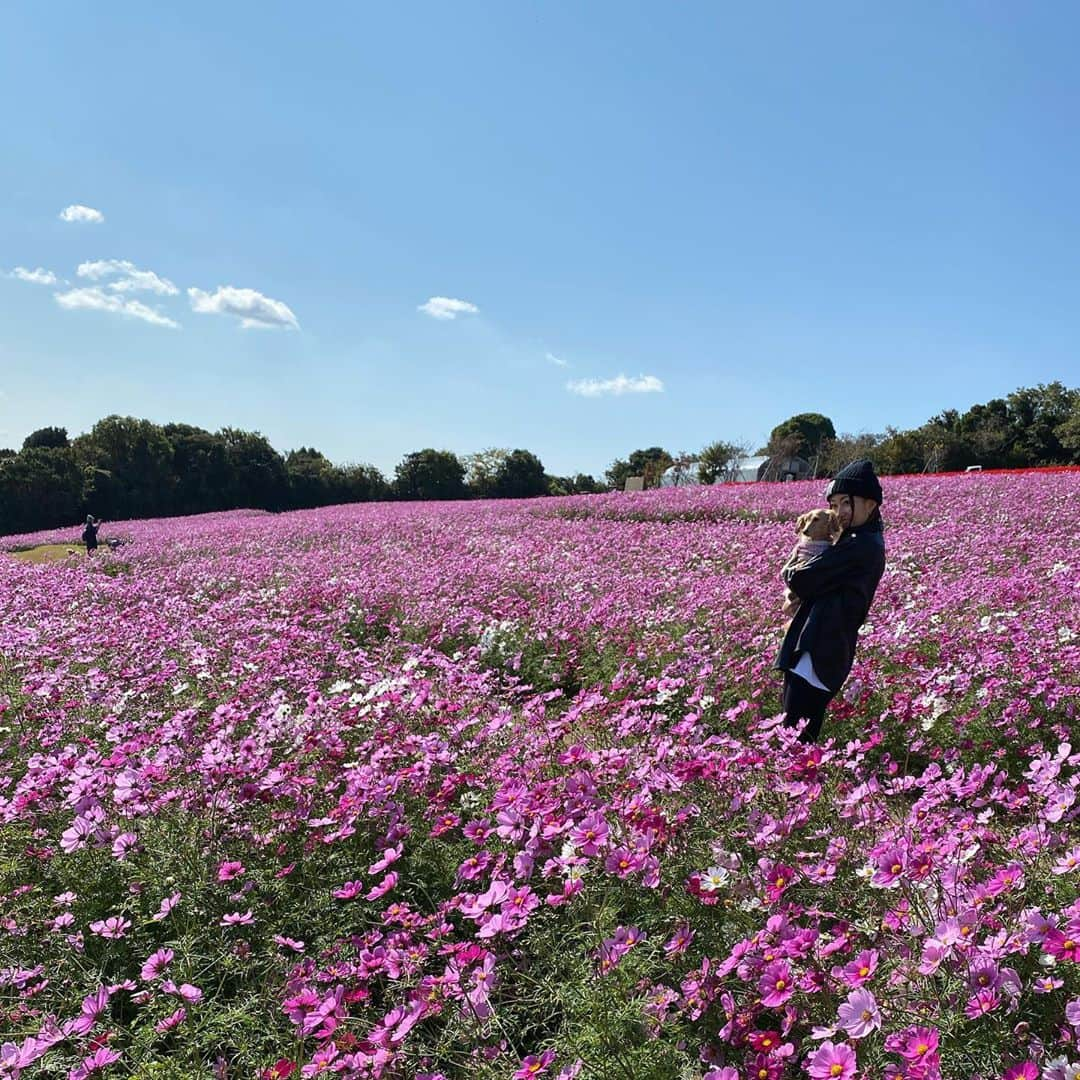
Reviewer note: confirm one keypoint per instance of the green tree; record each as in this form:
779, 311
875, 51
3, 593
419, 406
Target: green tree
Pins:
40, 488
257, 476
313, 481
811, 429
1068, 433
362, 483
47, 438
430, 474
841, 451
520, 476
482, 469
1036, 413
718, 461
649, 463
200, 467
138, 457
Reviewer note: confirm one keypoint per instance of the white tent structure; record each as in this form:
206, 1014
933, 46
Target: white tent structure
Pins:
680, 475
747, 469
744, 471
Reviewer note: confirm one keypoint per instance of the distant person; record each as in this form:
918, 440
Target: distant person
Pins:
89, 533
834, 592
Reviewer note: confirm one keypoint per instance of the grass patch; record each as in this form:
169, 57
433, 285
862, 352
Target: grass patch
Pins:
47, 553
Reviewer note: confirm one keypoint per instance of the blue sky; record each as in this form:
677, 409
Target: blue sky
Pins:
730, 212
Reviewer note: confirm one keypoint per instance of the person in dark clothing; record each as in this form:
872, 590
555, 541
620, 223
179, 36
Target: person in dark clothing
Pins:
89, 533
835, 591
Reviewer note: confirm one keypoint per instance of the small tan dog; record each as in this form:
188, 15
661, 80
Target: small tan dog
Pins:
817, 531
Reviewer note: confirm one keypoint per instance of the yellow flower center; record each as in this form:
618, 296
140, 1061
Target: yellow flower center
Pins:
780, 984
863, 972
836, 1070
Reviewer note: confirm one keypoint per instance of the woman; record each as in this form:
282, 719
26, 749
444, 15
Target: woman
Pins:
89, 533
835, 590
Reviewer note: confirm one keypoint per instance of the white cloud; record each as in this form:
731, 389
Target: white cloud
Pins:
82, 214
40, 276
252, 308
443, 307
129, 277
643, 384
96, 299
557, 361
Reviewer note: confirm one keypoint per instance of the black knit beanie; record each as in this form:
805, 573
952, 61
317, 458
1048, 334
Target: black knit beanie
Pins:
858, 478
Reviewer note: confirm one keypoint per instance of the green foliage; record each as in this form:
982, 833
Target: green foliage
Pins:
717, 460
808, 430
128, 468
650, 463
47, 438
39, 486
520, 476
430, 474
482, 468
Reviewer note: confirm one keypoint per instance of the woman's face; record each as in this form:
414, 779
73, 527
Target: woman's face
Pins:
853, 510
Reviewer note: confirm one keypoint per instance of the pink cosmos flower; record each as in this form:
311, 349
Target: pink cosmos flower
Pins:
680, 940
859, 970
859, 1015
349, 891
116, 926
156, 964
384, 886
778, 879
832, 1061
622, 862
890, 867
229, 870
985, 1001
776, 984
1026, 1070
389, 855
726, 1073
166, 906
173, 1020
237, 918
535, 1065
123, 844
1063, 944
321, 1062
1068, 862
918, 1043
288, 943
98, 1060
1072, 1013
590, 835
191, 994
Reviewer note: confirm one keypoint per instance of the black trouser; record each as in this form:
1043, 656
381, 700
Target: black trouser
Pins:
804, 702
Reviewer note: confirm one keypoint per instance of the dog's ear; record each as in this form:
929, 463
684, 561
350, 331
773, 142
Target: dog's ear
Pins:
802, 521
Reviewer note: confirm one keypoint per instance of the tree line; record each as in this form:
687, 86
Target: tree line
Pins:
125, 468
130, 468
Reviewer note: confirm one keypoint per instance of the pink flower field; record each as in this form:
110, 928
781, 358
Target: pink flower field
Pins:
498, 790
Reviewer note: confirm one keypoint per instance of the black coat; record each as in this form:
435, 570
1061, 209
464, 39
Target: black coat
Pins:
836, 590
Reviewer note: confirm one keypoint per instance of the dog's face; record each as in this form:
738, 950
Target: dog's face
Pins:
818, 524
